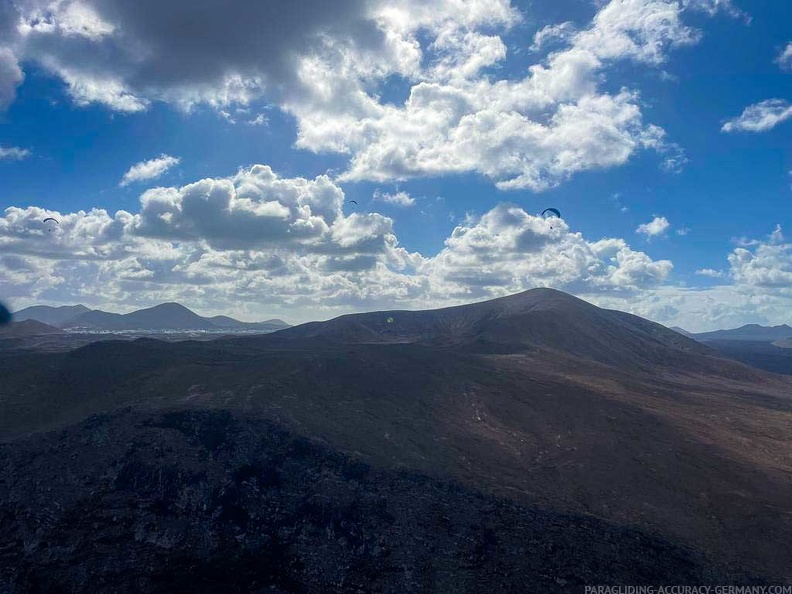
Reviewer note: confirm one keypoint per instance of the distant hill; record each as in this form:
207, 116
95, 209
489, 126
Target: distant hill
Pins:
163, 317
54, 316
27, 328
752, 332
267, 325
682, 331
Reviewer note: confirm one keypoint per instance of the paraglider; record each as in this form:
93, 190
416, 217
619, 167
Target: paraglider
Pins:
549, 213
352, 202
50, 224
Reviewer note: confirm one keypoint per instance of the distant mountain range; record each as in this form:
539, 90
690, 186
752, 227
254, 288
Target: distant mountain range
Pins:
160, 318
753, 332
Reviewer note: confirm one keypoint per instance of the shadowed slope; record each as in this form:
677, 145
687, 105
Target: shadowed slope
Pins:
191, 502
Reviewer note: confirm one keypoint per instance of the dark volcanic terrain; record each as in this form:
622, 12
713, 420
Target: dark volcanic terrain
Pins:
602, 429
205, 502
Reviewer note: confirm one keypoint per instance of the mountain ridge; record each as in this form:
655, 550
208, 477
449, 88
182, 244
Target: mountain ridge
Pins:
751, 332
161, 317
544, 319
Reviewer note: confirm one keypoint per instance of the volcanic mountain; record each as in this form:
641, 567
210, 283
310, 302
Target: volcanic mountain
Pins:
27, 328
752, 332
538, 399
166, 316
539, 320
54, 316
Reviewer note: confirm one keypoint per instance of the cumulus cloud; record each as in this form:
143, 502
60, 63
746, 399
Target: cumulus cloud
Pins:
284, 245
552, 33
767, 265
148, 170
326, 64
532, 132
654, 228
784, 58
508, 250
760, 117
13, 153
11, 77
710, 272
124, 56
399, 198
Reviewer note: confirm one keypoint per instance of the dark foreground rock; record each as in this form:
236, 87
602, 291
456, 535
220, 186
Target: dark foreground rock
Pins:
208, 502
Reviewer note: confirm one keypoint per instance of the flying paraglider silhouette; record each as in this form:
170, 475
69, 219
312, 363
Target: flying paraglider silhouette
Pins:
50, 228
549, 213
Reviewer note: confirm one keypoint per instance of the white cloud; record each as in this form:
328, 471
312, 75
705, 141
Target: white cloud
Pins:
274, 246
654, 228
147, 170
767, 265
552, 33
533, 132
784, 58
760, 117
683, 231
11, 76
281, 245
399, 198
13, 153
260, 120
326, 63
710, 273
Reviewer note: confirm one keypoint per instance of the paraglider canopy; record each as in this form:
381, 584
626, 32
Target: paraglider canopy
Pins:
550, 213
50, 224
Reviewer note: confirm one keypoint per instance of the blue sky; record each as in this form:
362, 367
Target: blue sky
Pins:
659, 128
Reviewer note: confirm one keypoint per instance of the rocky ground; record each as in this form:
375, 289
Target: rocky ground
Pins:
209, 501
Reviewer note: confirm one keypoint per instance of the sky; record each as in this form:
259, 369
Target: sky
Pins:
209, 153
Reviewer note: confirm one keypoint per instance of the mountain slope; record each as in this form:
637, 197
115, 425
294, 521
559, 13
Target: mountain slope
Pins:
27, 327
237, 505
54, 316
537, 319
267, 325
529, 398
752, 332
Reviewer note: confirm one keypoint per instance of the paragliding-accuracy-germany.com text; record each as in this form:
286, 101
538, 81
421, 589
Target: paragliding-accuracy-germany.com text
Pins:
688, 590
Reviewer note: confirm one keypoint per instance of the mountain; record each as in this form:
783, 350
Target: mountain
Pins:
27, 327
539, 319
163, 317
272, 325
753, 332
541, 402
54, 316
682, 331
